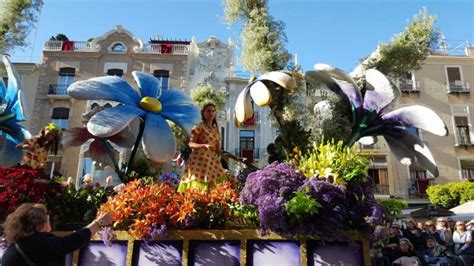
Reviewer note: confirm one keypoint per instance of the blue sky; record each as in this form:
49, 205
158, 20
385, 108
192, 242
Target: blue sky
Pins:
331, 31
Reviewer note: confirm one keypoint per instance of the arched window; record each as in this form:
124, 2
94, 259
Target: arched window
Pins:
162, 75
118, 48
60, 117
115, 72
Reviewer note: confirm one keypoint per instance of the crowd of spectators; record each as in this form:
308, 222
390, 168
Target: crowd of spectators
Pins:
440, 242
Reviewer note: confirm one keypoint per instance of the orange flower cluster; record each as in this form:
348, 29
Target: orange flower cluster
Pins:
140, 206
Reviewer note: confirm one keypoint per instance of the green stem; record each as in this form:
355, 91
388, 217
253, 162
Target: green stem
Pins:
135, 146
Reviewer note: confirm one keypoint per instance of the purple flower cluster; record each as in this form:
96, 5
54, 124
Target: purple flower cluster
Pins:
107, 234
342, 208
156, 232
269, 189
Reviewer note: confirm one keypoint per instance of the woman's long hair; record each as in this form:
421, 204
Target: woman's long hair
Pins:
203, 110
24, 221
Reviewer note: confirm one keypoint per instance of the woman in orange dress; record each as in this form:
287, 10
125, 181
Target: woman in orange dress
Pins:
204, 169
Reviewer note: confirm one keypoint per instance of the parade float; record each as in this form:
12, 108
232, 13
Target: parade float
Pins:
315, 207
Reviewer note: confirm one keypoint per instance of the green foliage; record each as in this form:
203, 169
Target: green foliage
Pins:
394, 207
206, 94
142, 167
263, 41
240, 9
301, 206
339, 127
263, 37
407, 50
78, 206
335, 161
451, 194
61, 37
246, 214
17, 19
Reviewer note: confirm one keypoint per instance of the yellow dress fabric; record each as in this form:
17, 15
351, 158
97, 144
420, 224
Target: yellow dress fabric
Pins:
203, 170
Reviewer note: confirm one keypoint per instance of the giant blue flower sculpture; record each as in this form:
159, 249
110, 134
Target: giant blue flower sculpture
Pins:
371, 115
11, 113
152, 106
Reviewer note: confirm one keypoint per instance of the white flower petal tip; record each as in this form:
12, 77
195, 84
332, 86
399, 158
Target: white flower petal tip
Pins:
260, 94
283, 79
243, 106
323, 67
368, 140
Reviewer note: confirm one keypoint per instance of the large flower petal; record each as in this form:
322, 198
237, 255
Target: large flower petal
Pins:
159, 143
171, 97
147, 83
418, 116
243, 106
9, 154
75, 137
383, 93
108, 88
99, 153
112, 120
185, 116
345, 82
260, 93
13, 96
283, 79
124, 138
408, 147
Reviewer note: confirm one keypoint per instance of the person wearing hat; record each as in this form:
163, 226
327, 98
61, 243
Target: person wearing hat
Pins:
390, 248
435, 253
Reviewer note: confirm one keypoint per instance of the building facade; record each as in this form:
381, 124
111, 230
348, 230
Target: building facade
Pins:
443, 84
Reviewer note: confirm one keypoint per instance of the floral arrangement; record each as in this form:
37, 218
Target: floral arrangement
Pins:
20, 184
300, 200
146, 209
74, 208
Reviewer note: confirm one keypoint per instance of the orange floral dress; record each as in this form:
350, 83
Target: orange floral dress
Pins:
204, 169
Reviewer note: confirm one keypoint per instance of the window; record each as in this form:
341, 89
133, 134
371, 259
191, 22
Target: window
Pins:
115, 72
455, 80
65, 78
163, 76
60, 117
118, 48
462, 125
462, 130
408, 82
467, 169
379, 173
247, 144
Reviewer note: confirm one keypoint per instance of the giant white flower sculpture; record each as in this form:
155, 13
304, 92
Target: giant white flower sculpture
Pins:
150, 105
371, 115
259, 90
11, 113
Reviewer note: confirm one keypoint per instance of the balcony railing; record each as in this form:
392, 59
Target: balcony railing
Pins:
458, 87
67, 46
162, 48
58, 89
409, 86
462, 136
